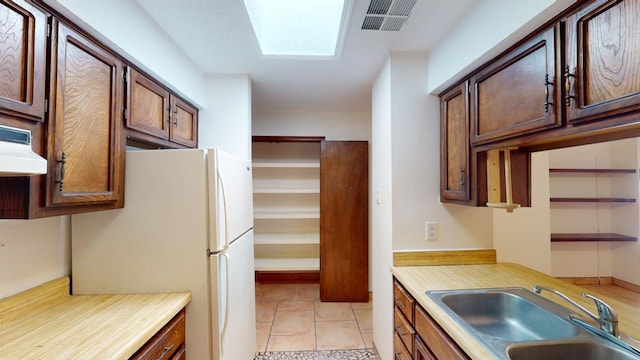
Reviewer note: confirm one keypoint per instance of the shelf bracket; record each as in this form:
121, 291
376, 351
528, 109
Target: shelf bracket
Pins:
494, 187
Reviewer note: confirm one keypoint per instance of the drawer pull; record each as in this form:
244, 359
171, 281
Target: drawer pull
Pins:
547, 103
567, 85
166, 350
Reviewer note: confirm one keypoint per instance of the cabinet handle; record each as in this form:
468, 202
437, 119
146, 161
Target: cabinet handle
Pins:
567, 85
175, 117
398, 355
547, 103
63, 162
169, 119
462, 182
399, 330
166, 350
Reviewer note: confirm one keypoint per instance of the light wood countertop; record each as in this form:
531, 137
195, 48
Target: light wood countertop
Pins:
84, 326
418, 279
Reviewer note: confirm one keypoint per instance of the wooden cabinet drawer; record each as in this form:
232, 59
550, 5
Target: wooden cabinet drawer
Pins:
399, 351
180, 355
403, 329
167, 342
437, 340
422, 352
403, 301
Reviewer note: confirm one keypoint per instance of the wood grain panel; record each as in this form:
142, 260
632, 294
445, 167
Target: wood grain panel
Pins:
612, 53
14, 29
19, 305
148, 106
87, 121
603, 52
445, 257
454, 147
87, 94
344, 237
184, 123
22, 59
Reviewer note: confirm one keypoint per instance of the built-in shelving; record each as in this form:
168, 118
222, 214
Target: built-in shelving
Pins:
286, 199
575, 174
591, 237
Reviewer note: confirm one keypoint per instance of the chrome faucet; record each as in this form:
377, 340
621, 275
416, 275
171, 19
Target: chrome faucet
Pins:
608, 318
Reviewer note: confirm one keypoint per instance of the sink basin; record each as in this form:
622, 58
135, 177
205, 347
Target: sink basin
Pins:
508, 316
574, 350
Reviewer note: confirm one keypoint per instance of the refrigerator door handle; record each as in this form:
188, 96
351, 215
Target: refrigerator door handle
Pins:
226, 301
224, 212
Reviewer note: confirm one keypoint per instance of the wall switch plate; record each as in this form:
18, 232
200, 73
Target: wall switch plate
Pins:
431, 230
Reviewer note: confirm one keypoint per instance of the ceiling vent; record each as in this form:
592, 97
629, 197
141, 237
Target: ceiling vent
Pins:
387, 15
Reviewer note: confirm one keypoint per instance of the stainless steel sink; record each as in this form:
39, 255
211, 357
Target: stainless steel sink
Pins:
508, 316
516, 324
568, 350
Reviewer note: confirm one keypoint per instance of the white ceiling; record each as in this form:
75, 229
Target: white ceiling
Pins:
217, 36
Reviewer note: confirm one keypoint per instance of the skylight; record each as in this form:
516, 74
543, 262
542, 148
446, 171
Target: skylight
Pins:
298, 27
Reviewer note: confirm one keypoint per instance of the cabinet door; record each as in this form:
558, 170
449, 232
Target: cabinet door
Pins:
23, 41
344, 236
421, 351
84, 147
184, 123
602, 76
454, 145
516, 94
148, 104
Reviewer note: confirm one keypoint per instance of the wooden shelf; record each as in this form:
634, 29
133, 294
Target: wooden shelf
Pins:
577, 237
286, 264
286, 191
258, 214
264, 165
286, 239
592, 200
593, 171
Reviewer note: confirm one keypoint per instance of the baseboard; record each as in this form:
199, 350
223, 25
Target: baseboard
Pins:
627, 285
284, 277
588, 280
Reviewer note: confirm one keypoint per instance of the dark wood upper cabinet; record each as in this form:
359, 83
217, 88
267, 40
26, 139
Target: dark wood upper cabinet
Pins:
602, 74
344, 224
156, 113
184, 123
454, 145
23, 41
85, 153
516, 94
148, 104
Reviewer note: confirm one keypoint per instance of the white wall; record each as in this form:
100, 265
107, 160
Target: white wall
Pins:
490, 27
33, 252
330, 124
380, 220
523, 236
226, 122
415, 137
125, 24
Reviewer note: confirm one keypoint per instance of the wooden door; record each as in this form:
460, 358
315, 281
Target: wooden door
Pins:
184, 123
516, 94
454, 145
84, 153
344, 236
602, 75
148, 105
23, 41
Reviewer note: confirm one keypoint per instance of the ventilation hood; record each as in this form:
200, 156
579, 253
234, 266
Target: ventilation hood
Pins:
16, 156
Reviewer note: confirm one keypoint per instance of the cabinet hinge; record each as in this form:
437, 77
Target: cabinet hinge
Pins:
46, 106
124, 114
49, 30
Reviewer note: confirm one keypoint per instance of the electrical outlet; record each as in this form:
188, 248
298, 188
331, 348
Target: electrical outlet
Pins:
431, 230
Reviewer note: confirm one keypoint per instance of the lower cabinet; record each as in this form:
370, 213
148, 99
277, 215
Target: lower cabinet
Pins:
416, 335
168, 343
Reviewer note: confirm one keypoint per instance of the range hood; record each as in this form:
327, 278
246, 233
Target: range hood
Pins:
16, 156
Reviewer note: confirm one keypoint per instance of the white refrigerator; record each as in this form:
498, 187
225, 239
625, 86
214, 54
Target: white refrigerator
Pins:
187, 225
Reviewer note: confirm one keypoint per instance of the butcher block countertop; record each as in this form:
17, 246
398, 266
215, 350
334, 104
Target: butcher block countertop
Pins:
48, 323
418, 279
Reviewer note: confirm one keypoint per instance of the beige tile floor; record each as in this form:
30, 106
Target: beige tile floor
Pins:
290, 317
